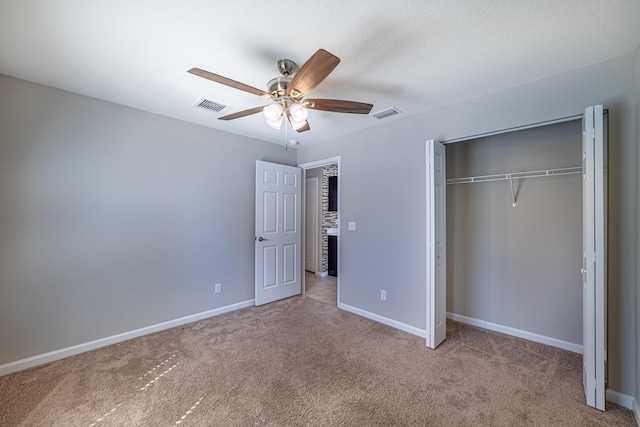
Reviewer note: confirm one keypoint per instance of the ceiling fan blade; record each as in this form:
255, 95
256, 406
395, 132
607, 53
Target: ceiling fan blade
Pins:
304, 128
338, 106
242, 113
228, 82
312, 72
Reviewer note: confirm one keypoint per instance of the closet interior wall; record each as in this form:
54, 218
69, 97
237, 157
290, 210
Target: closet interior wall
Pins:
517, 266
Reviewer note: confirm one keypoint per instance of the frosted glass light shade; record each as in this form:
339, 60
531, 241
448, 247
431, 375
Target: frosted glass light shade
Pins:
298, 116
275, 124
272, 112
298, 113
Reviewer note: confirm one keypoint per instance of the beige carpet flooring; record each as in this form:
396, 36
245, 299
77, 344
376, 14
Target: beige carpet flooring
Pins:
302, 362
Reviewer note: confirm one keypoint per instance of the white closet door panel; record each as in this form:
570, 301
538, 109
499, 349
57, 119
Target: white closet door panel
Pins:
594, 257
436, 244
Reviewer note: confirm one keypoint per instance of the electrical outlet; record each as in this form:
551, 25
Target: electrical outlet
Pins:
217, 288
383, 295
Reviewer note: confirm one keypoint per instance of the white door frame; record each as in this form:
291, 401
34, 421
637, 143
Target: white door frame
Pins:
310, 165
316, 183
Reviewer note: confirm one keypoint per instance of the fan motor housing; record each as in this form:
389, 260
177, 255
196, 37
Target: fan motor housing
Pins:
287, 67
278, 86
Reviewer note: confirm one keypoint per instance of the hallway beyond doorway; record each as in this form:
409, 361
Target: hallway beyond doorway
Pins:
323, 289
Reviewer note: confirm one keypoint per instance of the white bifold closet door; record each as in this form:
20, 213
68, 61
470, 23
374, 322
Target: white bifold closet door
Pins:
594, 255
436, 243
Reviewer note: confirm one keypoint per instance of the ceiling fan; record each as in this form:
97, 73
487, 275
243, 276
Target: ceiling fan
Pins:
289, 90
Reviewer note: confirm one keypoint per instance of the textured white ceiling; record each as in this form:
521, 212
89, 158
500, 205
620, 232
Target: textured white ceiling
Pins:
416, 55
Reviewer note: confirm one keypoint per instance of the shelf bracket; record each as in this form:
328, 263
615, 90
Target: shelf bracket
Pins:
513, 193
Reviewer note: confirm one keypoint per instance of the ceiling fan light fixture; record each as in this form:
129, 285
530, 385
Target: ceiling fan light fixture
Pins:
288, 91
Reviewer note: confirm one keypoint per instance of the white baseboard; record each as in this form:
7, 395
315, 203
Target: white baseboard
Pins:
384, 320
625, 401
40, 359
322, 273
565, 345
618, 398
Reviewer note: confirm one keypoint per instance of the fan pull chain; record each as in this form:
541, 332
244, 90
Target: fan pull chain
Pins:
286, 138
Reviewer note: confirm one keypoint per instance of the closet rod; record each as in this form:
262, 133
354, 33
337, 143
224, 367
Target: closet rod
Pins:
515, 175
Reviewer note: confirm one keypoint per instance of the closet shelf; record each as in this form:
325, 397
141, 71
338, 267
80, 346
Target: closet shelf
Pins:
515, 175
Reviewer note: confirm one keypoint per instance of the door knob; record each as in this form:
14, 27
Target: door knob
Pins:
260, 239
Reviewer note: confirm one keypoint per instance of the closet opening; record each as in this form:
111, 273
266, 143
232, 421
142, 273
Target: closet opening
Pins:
520, 271
514, 233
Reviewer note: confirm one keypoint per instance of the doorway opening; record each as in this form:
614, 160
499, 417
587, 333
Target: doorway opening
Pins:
322, 230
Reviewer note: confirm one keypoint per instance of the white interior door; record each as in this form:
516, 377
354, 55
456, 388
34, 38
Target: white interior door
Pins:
278, 234
311, 224
436, 244
594, 256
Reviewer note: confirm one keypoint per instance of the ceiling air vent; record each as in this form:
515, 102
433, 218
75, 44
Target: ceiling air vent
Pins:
386, 113
209, 105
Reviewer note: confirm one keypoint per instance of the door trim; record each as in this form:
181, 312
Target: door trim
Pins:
316, 183
311, 165
514, 129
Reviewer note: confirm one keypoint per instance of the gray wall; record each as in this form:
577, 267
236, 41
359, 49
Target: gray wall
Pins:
517, 267
383, 189
112, 219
